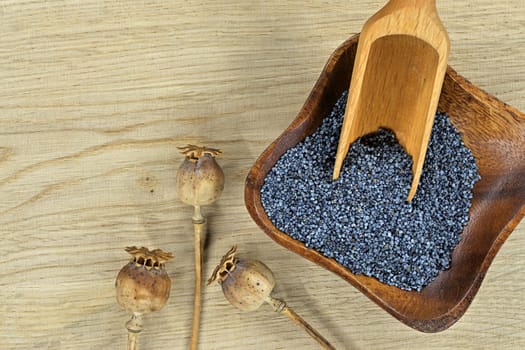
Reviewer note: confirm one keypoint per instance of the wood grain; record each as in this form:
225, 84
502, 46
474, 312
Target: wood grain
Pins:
95, 97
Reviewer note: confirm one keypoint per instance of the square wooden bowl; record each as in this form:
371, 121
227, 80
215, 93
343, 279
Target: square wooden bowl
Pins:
494, 132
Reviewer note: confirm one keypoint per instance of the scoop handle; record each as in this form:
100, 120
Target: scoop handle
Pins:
430, 4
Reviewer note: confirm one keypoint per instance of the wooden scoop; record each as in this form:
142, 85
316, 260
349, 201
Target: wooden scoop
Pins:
399, 68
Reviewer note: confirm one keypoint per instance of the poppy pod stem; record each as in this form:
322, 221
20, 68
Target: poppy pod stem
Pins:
197, 215
199, 228
134, 327
281, 307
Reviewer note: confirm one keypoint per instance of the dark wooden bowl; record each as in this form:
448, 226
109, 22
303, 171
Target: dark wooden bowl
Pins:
495, 133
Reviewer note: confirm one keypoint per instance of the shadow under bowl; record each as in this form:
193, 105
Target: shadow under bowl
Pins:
492, 130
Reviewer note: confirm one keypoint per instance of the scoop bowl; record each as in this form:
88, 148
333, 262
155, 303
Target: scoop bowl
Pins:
492, 130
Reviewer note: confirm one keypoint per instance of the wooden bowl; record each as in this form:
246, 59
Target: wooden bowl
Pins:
494, 132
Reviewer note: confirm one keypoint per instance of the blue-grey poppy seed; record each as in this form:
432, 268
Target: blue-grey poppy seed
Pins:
362, 220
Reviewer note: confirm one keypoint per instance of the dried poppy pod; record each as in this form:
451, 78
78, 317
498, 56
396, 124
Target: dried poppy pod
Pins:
142, 286
247, 284
200, 181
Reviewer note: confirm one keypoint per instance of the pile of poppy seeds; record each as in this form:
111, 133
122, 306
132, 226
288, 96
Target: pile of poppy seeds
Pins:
362, 220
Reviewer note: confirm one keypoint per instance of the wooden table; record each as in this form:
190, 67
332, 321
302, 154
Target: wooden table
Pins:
94, 98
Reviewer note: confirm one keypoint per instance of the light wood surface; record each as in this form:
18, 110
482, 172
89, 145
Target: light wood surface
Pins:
95, 97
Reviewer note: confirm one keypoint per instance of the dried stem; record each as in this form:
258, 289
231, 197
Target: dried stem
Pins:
132, 341
281, 307
134, 327
197, 214
199, 226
